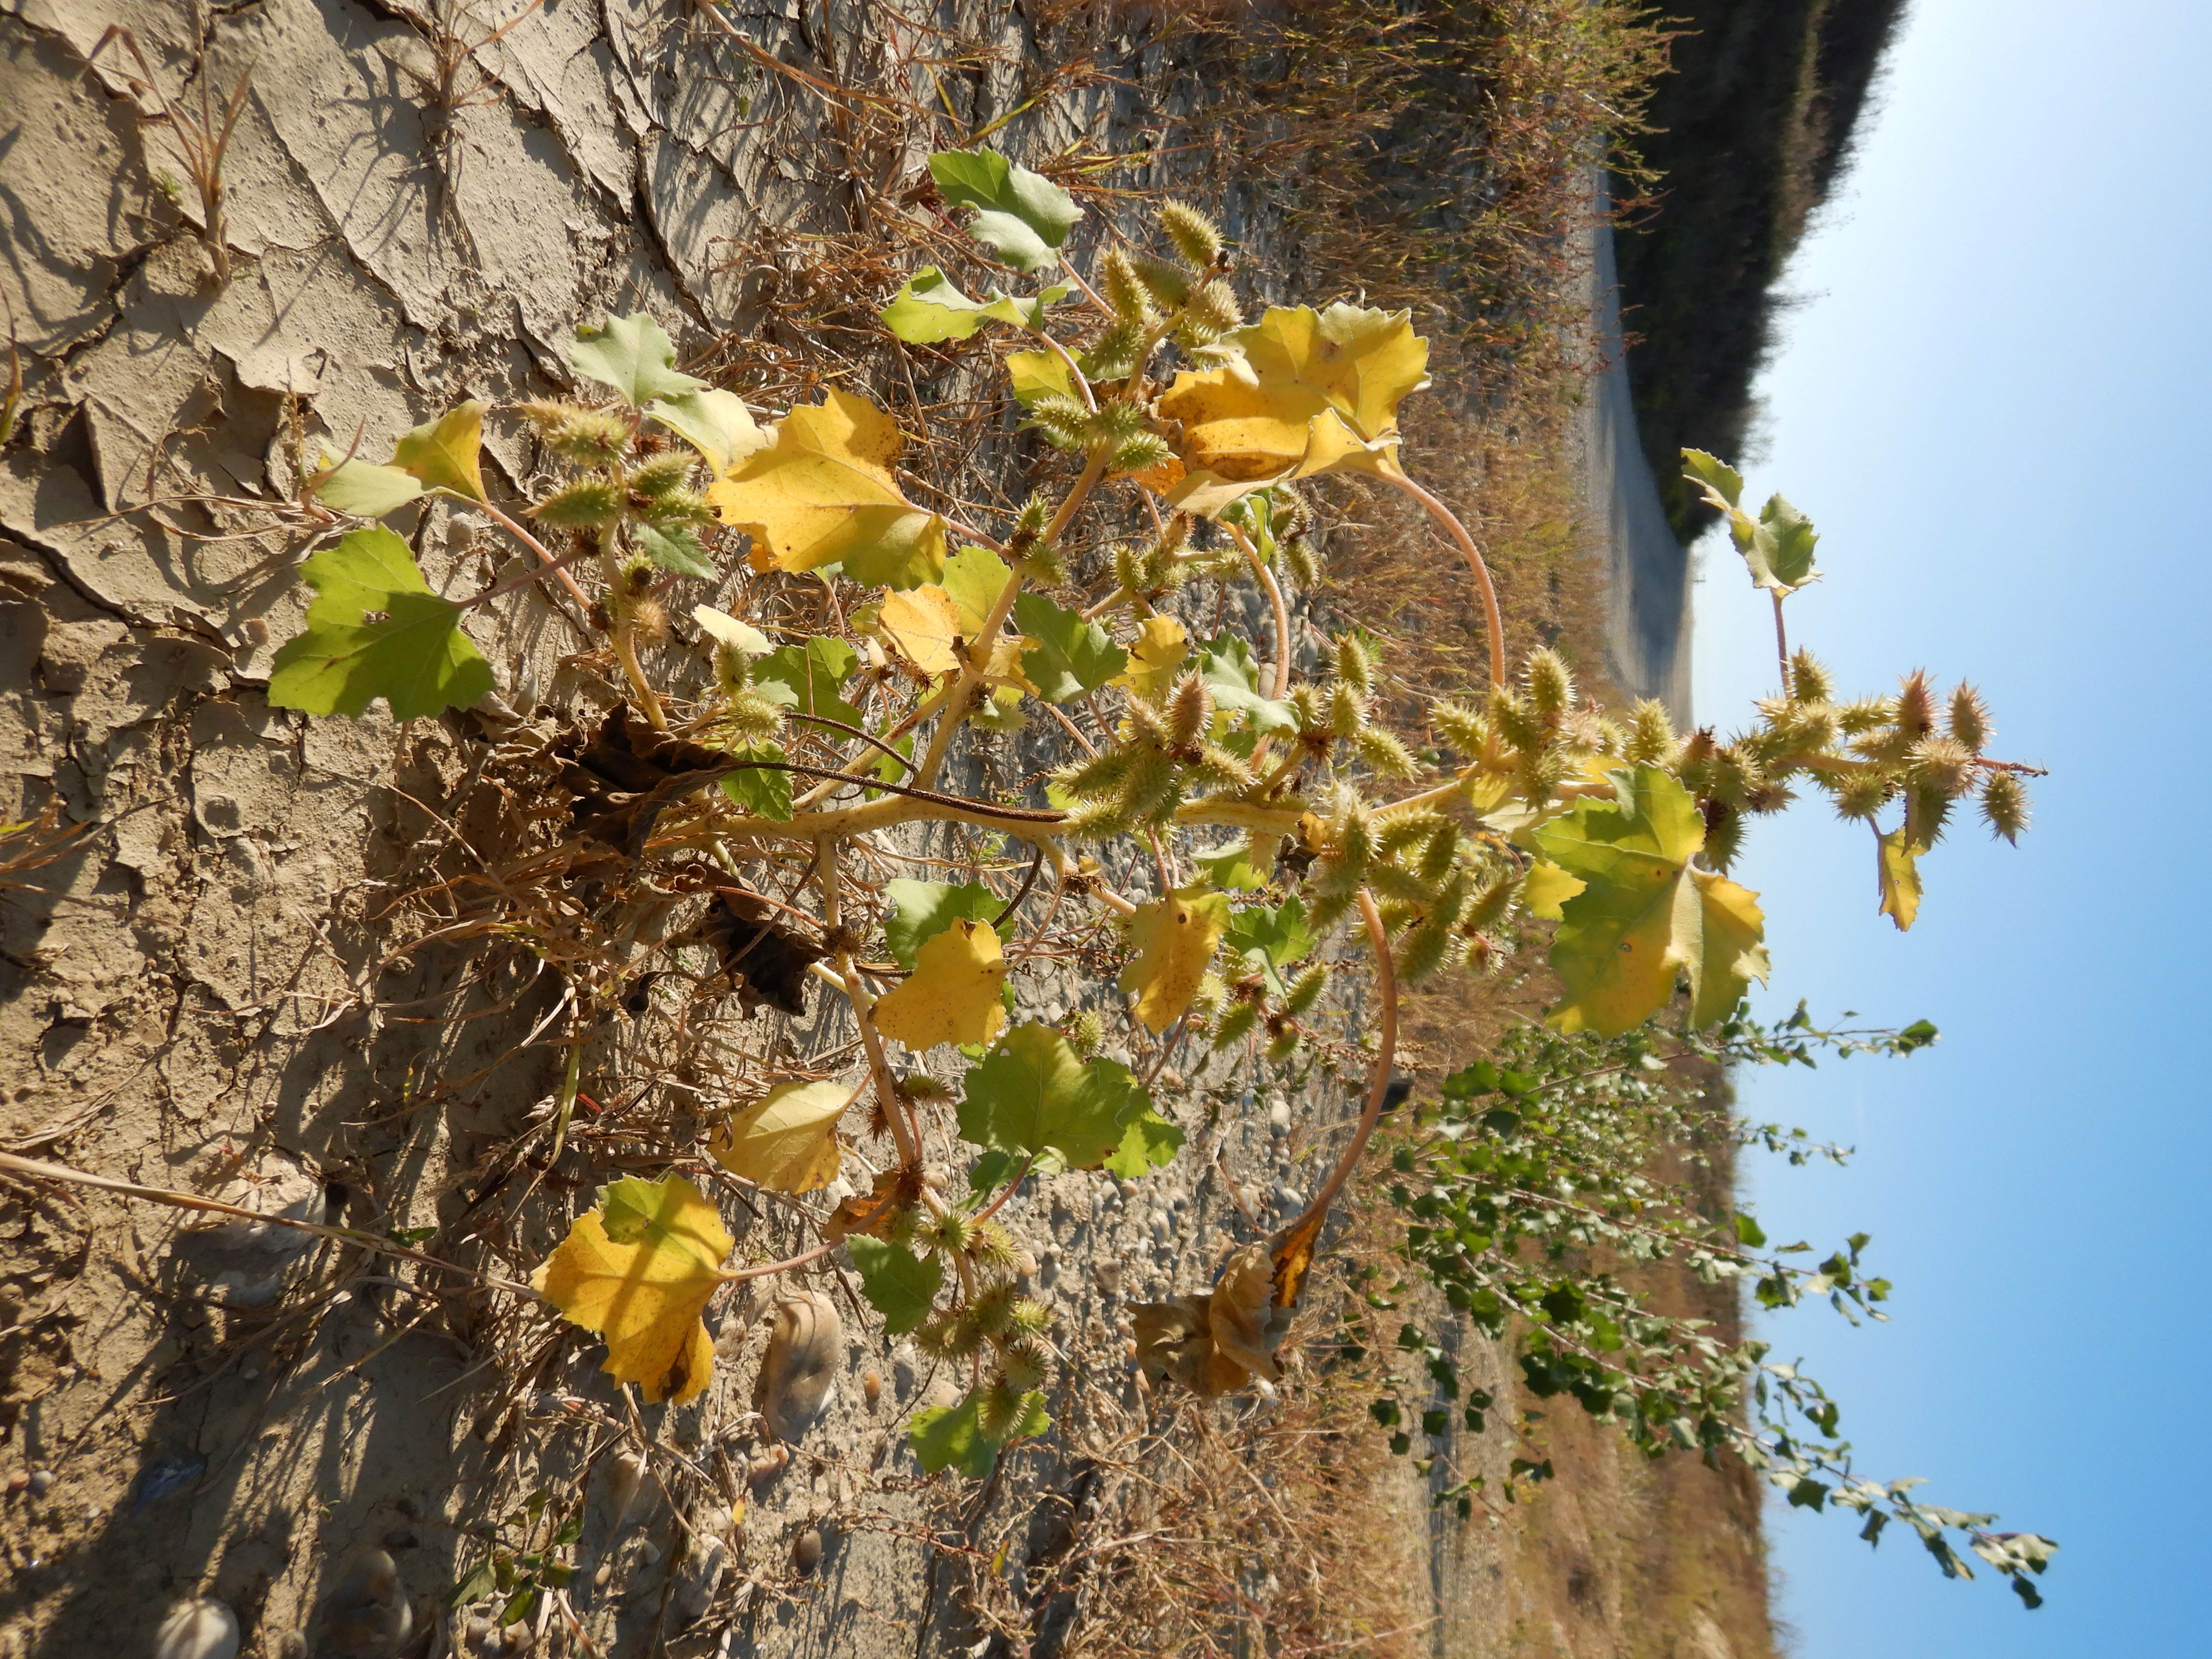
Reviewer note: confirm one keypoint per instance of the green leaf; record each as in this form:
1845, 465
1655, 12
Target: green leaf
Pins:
714, 422
929, 307
364, 489
1233, 869
764, 791
1748, 1231
1722, 480
1278, 932
375, 630
635, 355
1023, 217
922, 909
1066, 655
807, 678
1646, 912
1233, 677
675, 549
1778, 549
974, 577
1778, 545
900, 1284
1034, 1092
1037, 374
953, 1437
446, 453
1148, 1142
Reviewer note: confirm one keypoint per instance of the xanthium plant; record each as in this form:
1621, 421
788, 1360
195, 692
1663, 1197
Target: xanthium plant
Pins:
1287, 838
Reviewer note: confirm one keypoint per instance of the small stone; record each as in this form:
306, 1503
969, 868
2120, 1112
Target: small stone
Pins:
41, 1482
872, 1387
1279, 1116
807, 1553
18, 1481
1288, 1197
197, 1630
1126, 1188
606, 1572
516, 1638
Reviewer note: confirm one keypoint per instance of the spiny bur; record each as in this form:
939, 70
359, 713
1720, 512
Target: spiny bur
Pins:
1195, 236
2004, 805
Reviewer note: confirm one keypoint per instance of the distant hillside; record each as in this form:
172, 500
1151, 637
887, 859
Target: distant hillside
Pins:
1750, 132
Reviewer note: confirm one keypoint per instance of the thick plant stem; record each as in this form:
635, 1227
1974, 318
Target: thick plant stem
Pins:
1781, 641
550, 565
904, 1134
1378, 1080
1266, 578
622, 635
1492, 617
971, 672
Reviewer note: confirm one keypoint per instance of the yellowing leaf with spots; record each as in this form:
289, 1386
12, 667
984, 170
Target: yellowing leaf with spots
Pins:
1899, 870
1548, 888
1155, 657
1646, 912
638, 1268
924, 624
787, 1140
1310, 391
821, 492
1175, 939
952, 995
446, 453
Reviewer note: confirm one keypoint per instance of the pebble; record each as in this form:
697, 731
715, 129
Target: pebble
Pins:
1279, 1116
197, 1630
1126, 1188
804, 1355
1288, 1197
872, 1387
807, 1553
368, 1615
18, 1481
1162, 1226
41, 1482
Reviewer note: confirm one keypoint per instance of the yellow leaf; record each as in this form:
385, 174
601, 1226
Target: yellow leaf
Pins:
638, 1268
1311, 393
444, 453
823, 492
1155, 656
1898, 868
1175, 939
952, 995
1037, 374
787, 1140
1548, 888
924, 624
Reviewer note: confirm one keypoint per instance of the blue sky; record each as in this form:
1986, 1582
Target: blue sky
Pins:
1992, 400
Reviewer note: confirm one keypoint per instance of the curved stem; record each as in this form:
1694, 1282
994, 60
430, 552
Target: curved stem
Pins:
1378, 1081
1492, 616
553, 567
1275, 599
904, 1136
1020, 1175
